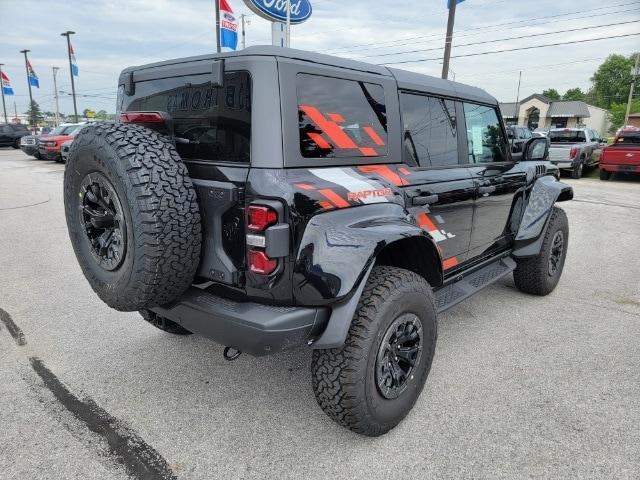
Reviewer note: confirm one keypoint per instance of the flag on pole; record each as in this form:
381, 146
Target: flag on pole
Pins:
31, 75
74, 62
6, 84
449, 2
228, 27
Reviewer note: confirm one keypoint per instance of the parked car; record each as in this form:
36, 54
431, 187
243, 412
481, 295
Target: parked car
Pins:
283, 199
541, 132
29, 145
50, 146
574, 149
623, 155
518, 137
11, 133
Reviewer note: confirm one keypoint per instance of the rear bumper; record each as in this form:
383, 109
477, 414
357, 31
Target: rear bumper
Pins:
563, 163
29, 149
619, 168
250, 327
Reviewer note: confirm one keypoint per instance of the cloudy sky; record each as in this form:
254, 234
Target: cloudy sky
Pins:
113, 34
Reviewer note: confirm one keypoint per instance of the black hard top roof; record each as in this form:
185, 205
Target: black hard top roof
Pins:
406, 80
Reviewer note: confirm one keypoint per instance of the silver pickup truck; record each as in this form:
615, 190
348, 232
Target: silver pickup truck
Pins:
575, 149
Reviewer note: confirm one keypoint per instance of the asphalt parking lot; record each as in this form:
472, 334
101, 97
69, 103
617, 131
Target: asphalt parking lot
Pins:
521, 386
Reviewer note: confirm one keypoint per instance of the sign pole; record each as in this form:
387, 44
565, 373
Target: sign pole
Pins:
4, 107
218, 26
449, 38
288, 23
55, 94
26, 66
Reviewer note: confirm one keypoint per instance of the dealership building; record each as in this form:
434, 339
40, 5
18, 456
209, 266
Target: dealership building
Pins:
538, 111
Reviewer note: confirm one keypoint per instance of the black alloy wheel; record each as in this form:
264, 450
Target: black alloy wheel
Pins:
398, 355
103, 220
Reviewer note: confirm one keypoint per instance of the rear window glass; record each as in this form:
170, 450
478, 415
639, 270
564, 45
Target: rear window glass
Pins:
568, 136
340, 118
628, 139
210, 123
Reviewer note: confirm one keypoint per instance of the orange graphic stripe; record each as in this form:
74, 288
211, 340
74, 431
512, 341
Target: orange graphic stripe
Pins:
336, 117
385, 172
319, 140
374, 136
326, 205
404, 171
335, 133
368, 151
449, 263
305, 186
425, 222
334, 198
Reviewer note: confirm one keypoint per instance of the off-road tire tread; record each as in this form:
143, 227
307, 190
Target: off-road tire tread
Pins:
166, 216
530, 276
337, 383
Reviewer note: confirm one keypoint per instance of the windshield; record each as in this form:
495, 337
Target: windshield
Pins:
69, 129
567, 136
57, 131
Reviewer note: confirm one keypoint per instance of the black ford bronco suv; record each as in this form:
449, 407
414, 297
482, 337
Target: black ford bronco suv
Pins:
274, 198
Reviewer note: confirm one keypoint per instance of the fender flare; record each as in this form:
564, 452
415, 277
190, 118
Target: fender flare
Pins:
546, 191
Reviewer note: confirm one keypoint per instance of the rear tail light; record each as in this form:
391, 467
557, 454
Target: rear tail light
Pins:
141, 117
259, 218
573, 152
261, 264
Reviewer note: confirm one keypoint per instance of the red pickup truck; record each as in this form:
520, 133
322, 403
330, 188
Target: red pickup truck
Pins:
623, 155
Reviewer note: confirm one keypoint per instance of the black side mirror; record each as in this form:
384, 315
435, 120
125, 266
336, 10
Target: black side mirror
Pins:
536, 149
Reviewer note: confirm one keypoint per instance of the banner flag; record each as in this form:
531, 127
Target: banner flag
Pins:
74, 62
228, 26
6, 84
31, 76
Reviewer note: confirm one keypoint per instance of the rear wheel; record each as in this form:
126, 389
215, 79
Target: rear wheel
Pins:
577, 170
371, 383
539, 275
604, 175
16, 144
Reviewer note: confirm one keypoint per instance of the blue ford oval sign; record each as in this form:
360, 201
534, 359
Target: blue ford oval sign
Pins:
276, 10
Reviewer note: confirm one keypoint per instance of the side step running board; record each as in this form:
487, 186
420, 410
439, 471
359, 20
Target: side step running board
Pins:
456, 292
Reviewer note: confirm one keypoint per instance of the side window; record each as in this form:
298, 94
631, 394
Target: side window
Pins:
484, 134
340, 118
429, 130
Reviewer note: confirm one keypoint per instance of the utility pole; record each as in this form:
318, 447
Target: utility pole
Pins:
4, 107
26, 66
218, 49
244, 45
449, 38
288, 37
55, 94
15, 110
68, 34
633, 82
518, 98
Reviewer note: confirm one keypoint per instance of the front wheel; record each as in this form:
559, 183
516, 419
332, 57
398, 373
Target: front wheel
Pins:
604, 175
539, 275
372, 382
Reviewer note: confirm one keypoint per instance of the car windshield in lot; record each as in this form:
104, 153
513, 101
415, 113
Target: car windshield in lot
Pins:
567, 136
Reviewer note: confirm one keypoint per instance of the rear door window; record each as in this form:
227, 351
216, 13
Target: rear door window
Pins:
210, 123
429, 130
340, 118
485, 139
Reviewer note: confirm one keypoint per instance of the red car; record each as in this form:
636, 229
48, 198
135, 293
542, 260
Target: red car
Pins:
623, 155
49, 145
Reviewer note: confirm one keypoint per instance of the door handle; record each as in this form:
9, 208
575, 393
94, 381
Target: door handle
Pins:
484, 191
424, 200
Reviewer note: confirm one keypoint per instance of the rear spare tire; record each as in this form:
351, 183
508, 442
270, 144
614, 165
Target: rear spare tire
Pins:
132, 215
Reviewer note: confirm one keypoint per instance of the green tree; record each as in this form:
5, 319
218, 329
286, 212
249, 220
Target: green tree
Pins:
618, 111
34, 113
612, 80
551, 94
101, 115
574, 94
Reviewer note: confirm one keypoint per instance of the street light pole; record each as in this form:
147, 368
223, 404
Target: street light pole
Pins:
26, 66
288, 24
244, 45
218, 49
633, 82
448, 39
68, 34
55, 94
4, 107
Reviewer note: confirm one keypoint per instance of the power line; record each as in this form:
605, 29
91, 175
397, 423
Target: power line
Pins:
503, 39
513, 49
484, 27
